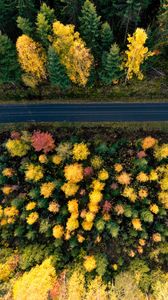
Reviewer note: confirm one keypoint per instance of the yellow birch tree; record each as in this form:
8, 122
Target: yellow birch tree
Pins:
32, 59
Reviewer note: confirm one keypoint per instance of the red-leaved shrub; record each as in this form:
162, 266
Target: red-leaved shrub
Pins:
42, 141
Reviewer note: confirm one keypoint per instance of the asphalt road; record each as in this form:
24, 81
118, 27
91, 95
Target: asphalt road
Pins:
84, 112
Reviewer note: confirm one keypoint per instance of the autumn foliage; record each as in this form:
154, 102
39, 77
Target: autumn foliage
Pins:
72, 52
32, 59
42, 141
136, 53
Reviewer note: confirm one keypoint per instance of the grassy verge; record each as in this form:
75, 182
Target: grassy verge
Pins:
96, 126
149, 90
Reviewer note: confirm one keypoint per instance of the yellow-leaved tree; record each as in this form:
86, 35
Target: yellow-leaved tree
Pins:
136, 54
36, 283
72, 52
32, 59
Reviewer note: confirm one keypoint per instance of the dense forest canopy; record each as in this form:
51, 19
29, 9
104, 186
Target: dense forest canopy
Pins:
122, 15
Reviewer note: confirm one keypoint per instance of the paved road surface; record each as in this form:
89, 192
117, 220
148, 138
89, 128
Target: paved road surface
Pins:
84, 112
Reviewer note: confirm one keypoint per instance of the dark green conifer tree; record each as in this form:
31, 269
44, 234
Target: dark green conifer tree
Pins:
111, 66
9, 66
56, 71
106, 36
90, 27
45, 19
25, 26
8, 14
128, 12
26, 8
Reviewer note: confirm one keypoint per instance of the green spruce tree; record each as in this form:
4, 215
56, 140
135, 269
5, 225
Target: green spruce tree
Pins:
25, 26
26, 9
129, 14
56, 71
90, 27
111, 66
9, 67
70, 10
106, 36
8, 13
45, 19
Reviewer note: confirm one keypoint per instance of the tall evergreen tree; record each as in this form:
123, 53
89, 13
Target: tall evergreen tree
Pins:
105, 9
129, 13
106, 36
45, 19
70, 10
8, 13
56, 71
111, 66
9, 67
90, 27
25, 25
26, 9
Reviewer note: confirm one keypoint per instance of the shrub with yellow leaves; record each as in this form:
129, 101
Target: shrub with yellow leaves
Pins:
36, 283
124, 178
56, 159
73, 172
163, 198
76, 285
103, 175
58, 231
137, 224
95, 196
97, 185
8, 267
154, 208
47, 189
72, 223
96, 162
72, 52
118, 167
129, 193
89, 217
148, 142
73, 206
80, 151
156, 237
142, 177
54, 207
31, 205
87, 226
32, 58
17, 147
43, 159
164, 183
161, 152
8, 172
143, 193
97, 289
89, 263
136, 54
32, 218
11, 211
7, 190
70, 189
33, 172
80, 238
153, 176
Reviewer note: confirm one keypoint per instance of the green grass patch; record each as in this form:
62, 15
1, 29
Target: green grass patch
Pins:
148, 90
